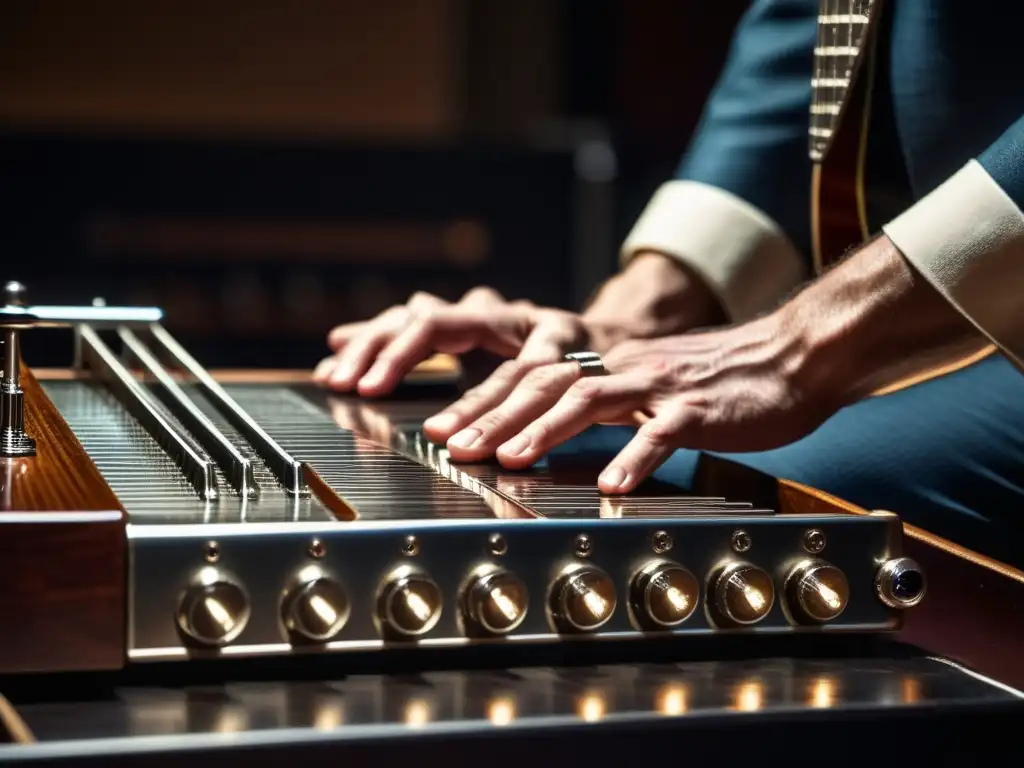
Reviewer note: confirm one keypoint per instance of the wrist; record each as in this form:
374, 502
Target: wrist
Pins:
656, 295
867, 315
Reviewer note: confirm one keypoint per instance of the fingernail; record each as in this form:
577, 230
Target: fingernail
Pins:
442, 422
516, 445
612, 477
372, 379
465, 439
341, 374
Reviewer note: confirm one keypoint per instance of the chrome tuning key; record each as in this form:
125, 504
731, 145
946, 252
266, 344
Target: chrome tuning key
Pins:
16, 316
14, 441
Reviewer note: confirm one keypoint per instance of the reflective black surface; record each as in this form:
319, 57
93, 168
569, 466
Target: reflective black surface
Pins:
695, 694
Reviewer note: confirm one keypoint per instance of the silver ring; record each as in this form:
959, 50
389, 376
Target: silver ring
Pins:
589, 362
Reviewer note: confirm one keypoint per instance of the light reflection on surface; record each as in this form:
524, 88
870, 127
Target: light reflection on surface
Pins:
508, 607
417, 713
678, 599
416, 604
215, 608
329, 714
822, 693
323, 609
910, 690
596, 604
748, 696
610, 508
671, 700
748, 687
231, 720
501, 711
591, 707
828, 595
754, 597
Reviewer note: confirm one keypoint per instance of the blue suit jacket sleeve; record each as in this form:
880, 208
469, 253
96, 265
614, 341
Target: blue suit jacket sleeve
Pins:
1004, 161
753, 139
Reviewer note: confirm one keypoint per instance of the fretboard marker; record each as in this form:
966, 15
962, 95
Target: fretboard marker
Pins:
842, 18
837, 50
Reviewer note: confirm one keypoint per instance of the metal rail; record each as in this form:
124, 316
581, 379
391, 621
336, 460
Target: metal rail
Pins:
286, 468
197, 468
237, 469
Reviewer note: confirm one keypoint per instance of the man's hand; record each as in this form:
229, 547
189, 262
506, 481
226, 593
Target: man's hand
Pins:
734, 389
373, 357
754, 386
653, 296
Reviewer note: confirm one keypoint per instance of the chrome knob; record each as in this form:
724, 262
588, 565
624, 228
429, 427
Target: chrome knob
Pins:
817, 591
496, 601
15, 293
214, 609
743, 593
582, 598
664, 594
900, 583
409, 603
315, 607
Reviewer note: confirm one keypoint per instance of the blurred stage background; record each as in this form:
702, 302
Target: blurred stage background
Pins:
264, 170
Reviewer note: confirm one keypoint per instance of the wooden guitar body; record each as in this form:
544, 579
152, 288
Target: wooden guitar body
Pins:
839, 217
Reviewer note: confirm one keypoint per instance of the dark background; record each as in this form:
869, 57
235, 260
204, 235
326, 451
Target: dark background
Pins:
263, 170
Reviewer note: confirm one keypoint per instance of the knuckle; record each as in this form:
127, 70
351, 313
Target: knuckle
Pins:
585, 390
507, 370
542, 379
490, 421
421, 297
481, 293
470, 395
656, 435
540, 433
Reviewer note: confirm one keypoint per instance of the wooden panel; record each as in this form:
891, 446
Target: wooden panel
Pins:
973, 613
62, 553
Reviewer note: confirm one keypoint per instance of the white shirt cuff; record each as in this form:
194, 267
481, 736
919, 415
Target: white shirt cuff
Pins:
740, 252
967, 239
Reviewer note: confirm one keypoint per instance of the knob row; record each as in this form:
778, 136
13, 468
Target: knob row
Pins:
663, 594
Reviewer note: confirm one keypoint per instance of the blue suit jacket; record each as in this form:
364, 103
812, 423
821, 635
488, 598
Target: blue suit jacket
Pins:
953, 90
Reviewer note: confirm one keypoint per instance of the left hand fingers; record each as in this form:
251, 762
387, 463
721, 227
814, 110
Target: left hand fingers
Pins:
587, 402
653, 443
537, 392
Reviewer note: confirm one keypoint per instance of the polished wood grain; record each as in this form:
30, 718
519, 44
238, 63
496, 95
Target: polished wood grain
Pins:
437, 367
62, 553
340, 508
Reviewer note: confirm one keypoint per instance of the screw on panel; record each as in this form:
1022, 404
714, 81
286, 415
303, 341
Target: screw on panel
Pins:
410, 546
584, 546
741, 541
497, 545
814, 541
317, 549
661, 542
211, 551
